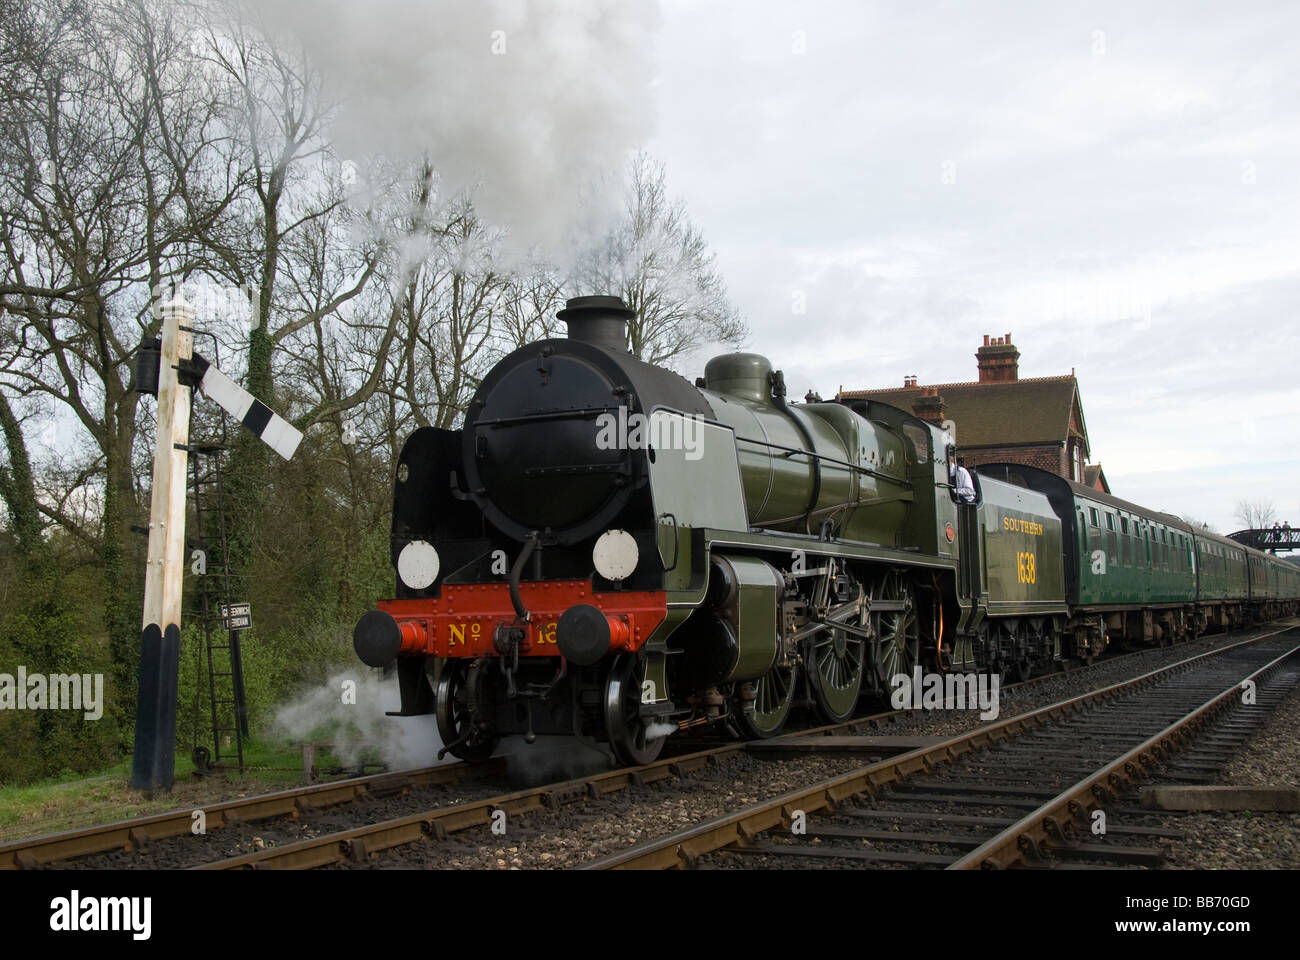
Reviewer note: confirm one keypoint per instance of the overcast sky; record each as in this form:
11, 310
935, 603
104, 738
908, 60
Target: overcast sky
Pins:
1117, 185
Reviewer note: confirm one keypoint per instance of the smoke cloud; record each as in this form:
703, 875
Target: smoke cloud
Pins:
529, 101
551, 759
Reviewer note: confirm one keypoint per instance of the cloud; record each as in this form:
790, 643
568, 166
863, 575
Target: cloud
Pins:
532, 100
1122, 191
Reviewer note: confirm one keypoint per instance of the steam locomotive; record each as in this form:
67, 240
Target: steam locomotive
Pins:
607, 551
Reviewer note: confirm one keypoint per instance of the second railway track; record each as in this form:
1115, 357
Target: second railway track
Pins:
1047, 788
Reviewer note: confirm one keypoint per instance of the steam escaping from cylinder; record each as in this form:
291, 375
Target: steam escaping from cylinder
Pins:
654, 730
530, 102
348, 711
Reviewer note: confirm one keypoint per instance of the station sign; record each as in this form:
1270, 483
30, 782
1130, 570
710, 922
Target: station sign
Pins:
236, 616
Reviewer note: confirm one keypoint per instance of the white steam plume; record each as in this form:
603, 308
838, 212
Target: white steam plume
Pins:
353, 719
530, 100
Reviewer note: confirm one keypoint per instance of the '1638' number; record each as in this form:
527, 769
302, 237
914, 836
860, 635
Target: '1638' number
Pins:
1026, 567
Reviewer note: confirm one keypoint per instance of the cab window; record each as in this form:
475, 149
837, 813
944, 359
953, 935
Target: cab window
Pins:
918, 443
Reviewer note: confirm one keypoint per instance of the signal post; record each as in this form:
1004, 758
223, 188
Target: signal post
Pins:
154, 759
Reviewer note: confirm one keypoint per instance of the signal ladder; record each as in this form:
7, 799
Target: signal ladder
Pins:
229, 710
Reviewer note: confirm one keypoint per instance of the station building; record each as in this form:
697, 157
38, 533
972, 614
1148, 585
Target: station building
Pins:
1001, 418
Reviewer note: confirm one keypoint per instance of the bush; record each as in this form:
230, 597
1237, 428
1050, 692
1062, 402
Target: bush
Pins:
44, 629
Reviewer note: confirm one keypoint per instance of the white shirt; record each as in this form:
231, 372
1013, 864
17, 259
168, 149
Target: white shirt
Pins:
965, 486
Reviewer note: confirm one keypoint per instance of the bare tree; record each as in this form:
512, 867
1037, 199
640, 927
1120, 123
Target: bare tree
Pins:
534, 295
91, 215
1255, 514
658, 262
1197, 524
450, 305
17, 486
304, 253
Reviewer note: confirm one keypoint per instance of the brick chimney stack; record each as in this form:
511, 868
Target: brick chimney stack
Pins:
929, 406
998, 360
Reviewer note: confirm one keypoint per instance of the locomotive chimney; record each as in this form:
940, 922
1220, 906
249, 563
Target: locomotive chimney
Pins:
600, 321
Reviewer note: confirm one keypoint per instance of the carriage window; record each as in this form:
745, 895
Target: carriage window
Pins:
1110, 521
1092, 512
1123, 524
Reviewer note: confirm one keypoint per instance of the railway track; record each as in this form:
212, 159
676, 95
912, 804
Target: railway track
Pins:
295, 841
141, 834
1047, 788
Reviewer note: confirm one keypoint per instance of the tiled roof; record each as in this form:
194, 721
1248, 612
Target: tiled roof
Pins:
1091, 473
1033, 410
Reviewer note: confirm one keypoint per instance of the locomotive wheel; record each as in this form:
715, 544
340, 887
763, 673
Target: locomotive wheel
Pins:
773, 698
462, 693
835, 661
895, 648
623, 723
